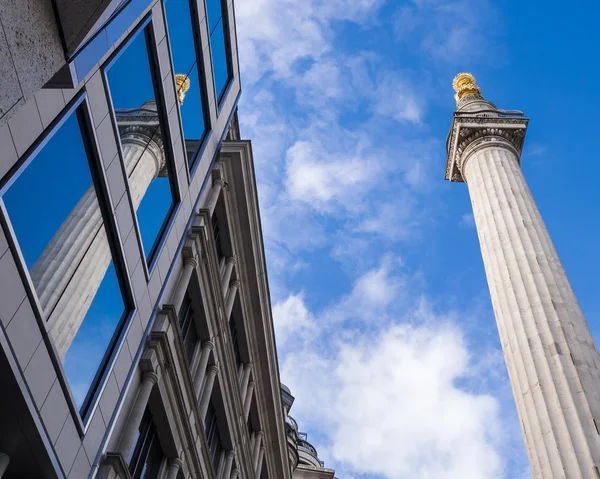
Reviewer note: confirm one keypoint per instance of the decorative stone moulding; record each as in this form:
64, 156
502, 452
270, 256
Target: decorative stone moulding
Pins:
468, 133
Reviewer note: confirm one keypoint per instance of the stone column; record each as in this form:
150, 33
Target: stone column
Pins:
207, 347
174, 467
228, 464
4, 461
215, 191
258, 436
248, 399
137, 413
221, 266
230, 298
211, 374
189, 266
552, 361
259, 465
71, 268
234, 474
245, 378
229, 264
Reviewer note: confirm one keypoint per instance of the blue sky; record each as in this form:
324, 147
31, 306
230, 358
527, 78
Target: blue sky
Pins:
384, 325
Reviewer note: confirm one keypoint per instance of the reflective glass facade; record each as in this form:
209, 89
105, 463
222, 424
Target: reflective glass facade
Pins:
185, 61
68, 254
145, 151
116, 356
219, 42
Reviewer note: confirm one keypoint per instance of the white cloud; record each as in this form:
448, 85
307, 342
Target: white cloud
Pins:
291, 317
395, 99
386, 402
407, 397
384, 381
449, 29
320, 177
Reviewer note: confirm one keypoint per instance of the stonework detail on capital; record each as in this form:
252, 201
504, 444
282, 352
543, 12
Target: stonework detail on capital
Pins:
470, 132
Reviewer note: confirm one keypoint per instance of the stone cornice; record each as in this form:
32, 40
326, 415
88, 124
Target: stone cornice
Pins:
468, 131
246, 237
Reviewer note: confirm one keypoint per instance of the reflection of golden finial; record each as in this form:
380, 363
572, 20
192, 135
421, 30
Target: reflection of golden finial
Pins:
182, 82
464, 84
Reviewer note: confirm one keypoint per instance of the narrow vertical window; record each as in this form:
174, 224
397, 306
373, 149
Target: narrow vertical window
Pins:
190, 85
69, 255
144, 147
220, 47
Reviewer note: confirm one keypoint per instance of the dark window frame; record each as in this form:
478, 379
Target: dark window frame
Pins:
77, 106
216, 231
213, 438
193, 160
144, 28
145, 445
220, 97
187, 328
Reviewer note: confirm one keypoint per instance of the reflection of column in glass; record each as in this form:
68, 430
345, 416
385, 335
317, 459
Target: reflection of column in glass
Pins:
71, 268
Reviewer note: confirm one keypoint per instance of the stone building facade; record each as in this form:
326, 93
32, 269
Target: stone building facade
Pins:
136, 337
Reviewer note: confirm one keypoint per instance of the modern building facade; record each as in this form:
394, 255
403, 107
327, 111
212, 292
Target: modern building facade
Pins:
552, 361
136, 338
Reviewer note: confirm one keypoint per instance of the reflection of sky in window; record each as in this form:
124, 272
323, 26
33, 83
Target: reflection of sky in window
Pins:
179, 23
130, 82
91, 54
221, 71
214, 13
48, 190
45, 194
217, 44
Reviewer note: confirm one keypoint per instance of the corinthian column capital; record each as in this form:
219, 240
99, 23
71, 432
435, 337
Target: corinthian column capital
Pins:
478, 123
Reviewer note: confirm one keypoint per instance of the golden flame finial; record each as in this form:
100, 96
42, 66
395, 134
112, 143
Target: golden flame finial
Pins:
464, 84
182, 82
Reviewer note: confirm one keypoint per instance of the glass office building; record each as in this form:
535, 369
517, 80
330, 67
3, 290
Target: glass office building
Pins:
136, 338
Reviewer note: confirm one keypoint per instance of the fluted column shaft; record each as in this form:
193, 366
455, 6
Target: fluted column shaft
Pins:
259, 465
245, 378
184, 280
215, 191
174, 467
211, 374
207, 347
228, 464
137, 413
248, 399
71, 268
229, 264
258, 436
230, 298
551, 357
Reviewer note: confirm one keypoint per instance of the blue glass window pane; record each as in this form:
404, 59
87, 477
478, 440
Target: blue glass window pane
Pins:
181, 36
153, 212
214, 12
219, 58
68, 254
85, 355
179, 22
140, 125
119, 25
44, 187
115, 27
91, 54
